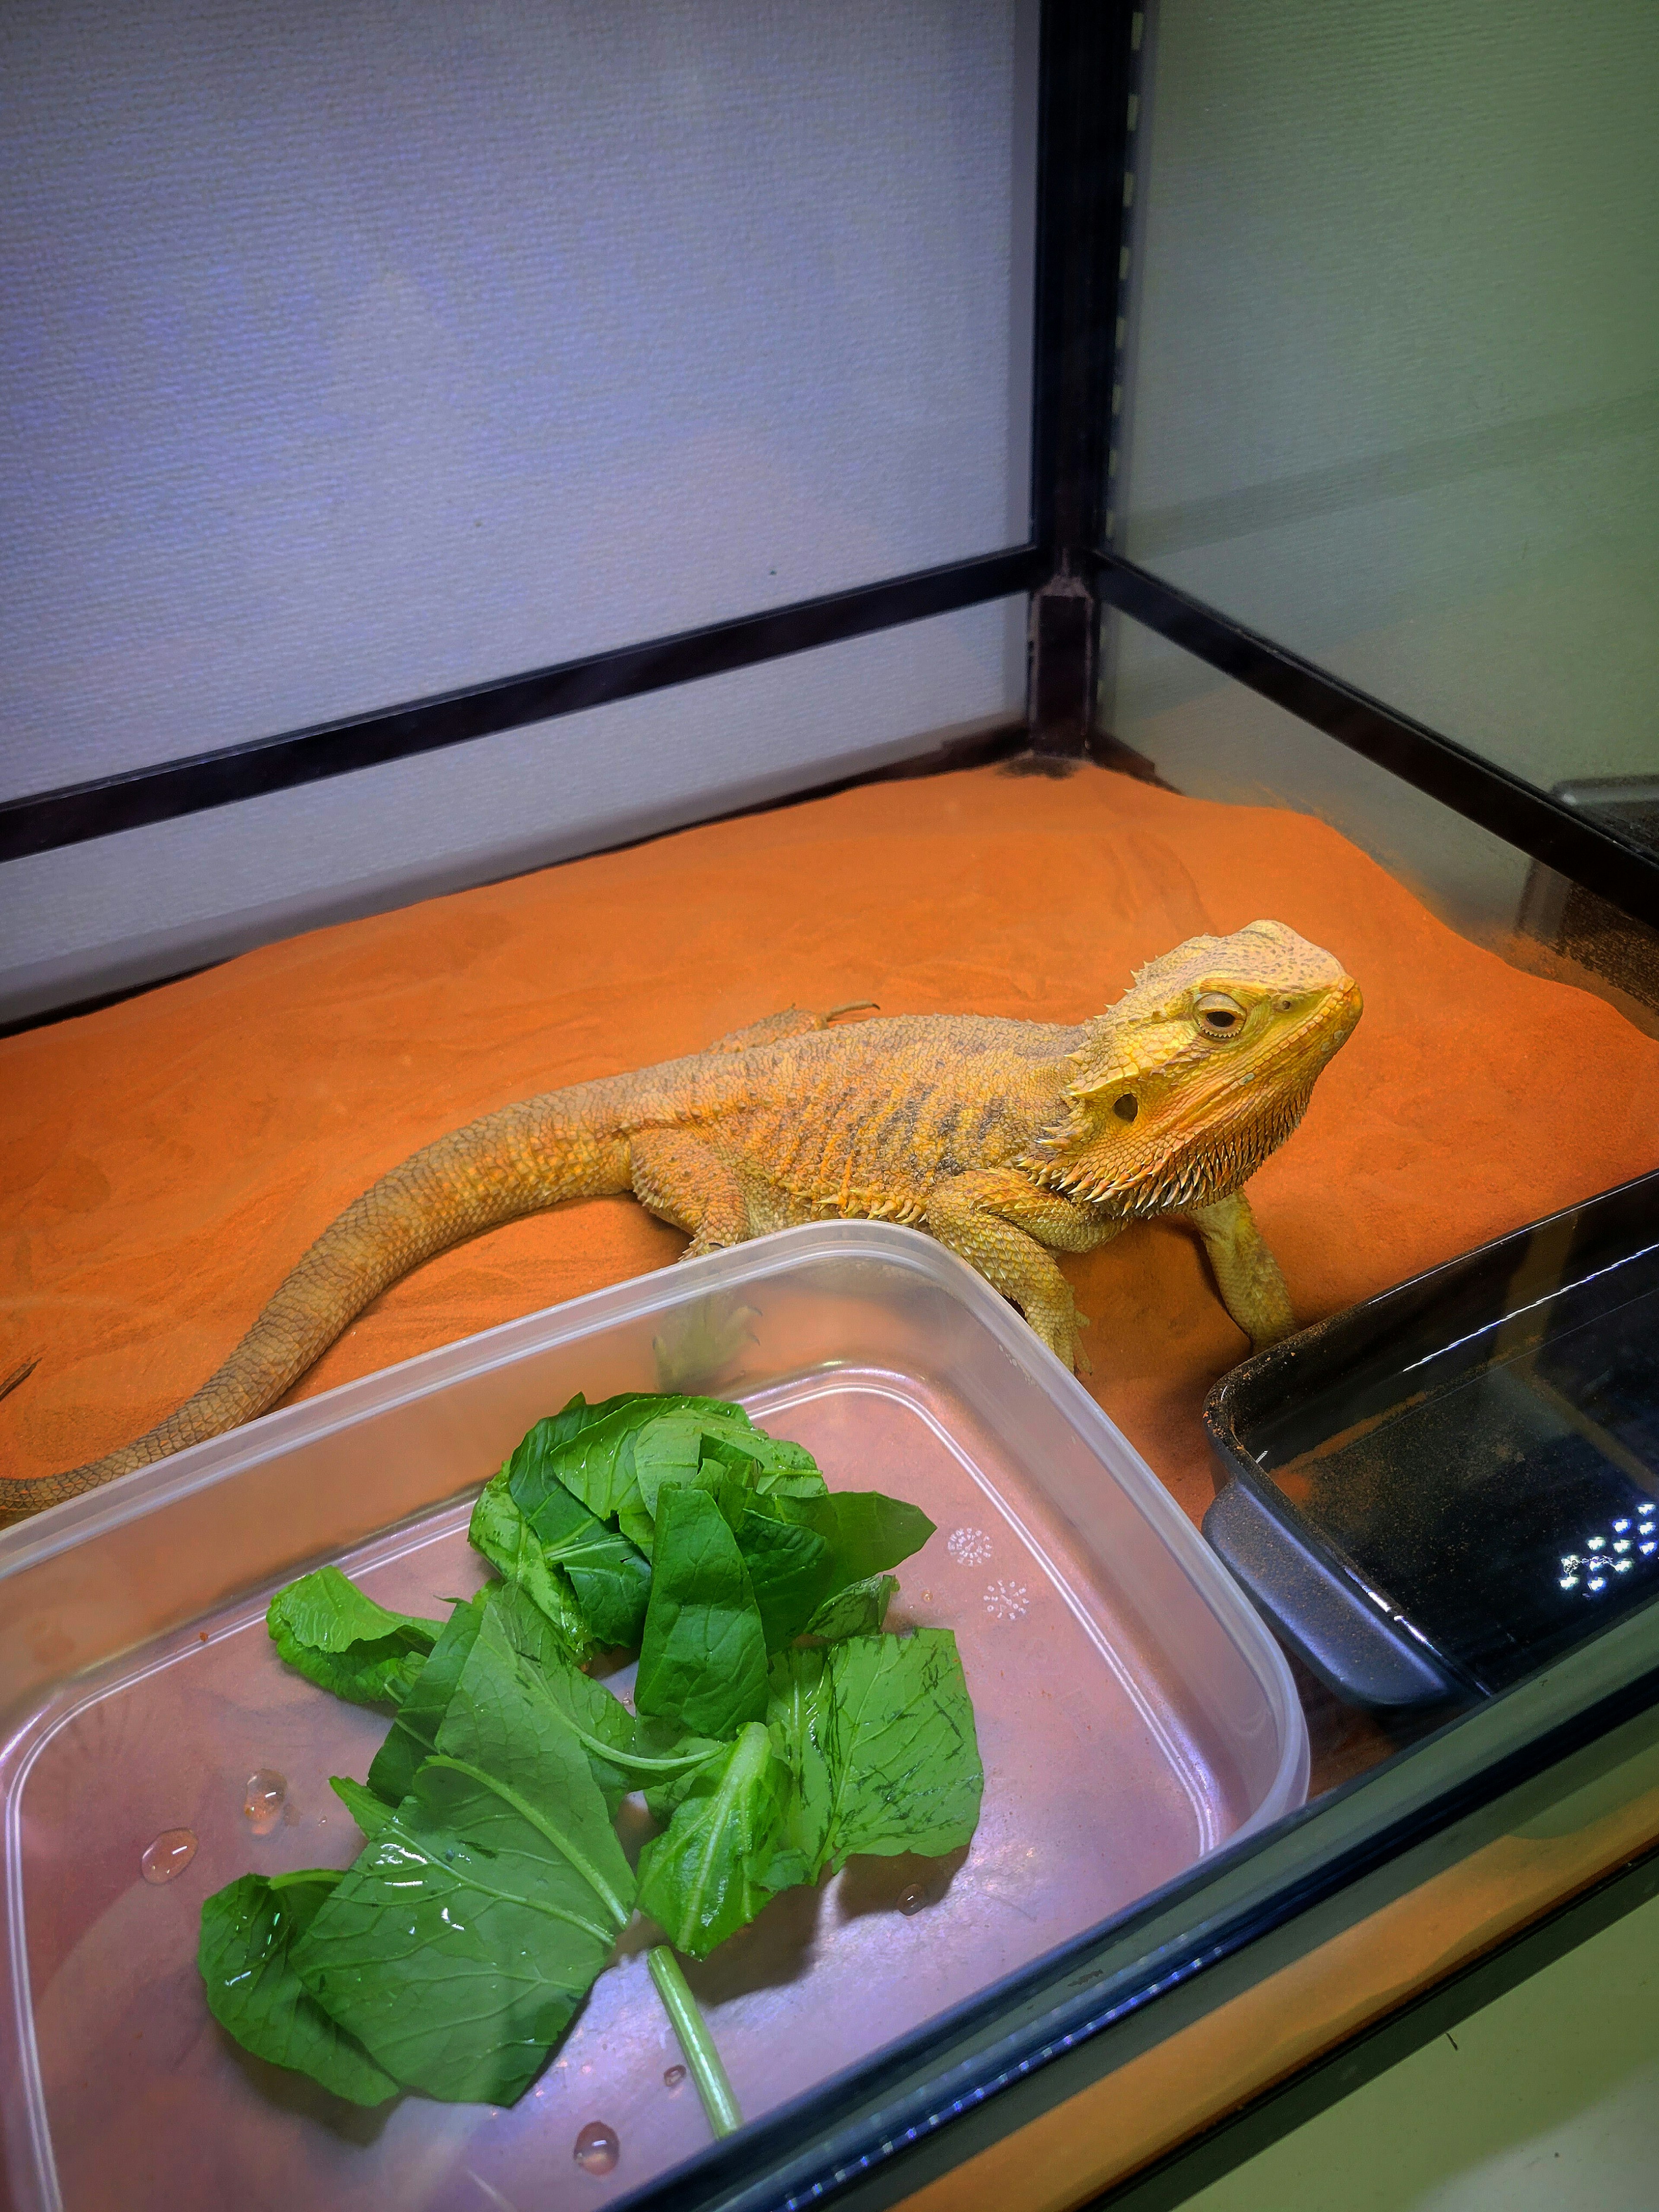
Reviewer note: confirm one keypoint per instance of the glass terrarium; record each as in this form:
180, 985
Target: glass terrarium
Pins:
553, 544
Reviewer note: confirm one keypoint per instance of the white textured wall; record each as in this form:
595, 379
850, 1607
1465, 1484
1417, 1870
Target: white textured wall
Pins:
355, 351
121, 910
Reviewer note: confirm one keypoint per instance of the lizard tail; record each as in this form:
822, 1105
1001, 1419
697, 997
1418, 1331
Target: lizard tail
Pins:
507, 1165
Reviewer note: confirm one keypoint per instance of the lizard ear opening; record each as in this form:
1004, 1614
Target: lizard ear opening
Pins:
1127, 1107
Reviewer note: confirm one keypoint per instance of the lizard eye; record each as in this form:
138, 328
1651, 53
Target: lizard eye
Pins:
1217, 1015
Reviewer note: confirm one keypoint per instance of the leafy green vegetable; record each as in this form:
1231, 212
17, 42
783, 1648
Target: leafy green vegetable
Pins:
867, 1533
720, 1452
878, 1735
869, 1747
789, 1570
248, 1931
703, 1658
492, 1885
608, 1576
701, 1882
858, 1610
577, 1414
369, 1812
788, 1470
415, 1731
602, 1723
801, 1716
671, 1449
499, 1529
675, 1759
331, 1633
458, 1946
595, 1463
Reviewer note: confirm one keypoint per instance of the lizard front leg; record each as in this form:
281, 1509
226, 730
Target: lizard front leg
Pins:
1246, 1273
683, 1180
1001, 1222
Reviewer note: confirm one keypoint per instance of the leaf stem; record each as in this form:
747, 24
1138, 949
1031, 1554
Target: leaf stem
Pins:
613, 1757
695, 2041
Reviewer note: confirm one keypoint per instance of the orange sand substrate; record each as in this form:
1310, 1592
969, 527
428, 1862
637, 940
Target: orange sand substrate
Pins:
167, 1159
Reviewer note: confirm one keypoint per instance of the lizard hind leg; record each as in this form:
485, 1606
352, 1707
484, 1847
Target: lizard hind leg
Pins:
771, 1028
683, 1180
774, 1029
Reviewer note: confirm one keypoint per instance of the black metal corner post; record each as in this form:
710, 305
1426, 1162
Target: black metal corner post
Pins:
1083, 97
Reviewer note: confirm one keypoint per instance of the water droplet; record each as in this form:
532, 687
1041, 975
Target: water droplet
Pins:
969, 1548
1006, 1601
169, 1854
673, 2077
596, 2148
912, 1899
261, 1803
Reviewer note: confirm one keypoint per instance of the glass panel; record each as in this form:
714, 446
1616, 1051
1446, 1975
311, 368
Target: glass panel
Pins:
177, 1154
1210, 738
1390, 392
364, 353
119, 911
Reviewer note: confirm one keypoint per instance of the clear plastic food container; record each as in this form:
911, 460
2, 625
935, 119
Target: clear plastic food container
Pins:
1132, 1715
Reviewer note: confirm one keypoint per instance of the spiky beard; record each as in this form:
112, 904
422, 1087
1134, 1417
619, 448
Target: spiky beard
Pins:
1180, 1171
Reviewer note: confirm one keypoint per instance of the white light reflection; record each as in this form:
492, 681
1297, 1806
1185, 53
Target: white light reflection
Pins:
1561, 1291
1592, 1570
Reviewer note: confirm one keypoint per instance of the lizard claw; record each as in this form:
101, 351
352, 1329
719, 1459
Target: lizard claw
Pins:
18, 1375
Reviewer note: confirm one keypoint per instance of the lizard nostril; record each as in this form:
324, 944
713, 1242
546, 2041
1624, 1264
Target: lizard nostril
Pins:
1125, 1108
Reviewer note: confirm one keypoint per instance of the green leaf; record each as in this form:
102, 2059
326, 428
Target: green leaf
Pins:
788, 1470
610, 1577
325, 1627
602, 1722
703, 1659
697, 1448
501, 1531
369, 1812
460, 1945
801, 1719
248, 1931
867, 1533
904, 1766
572, 1419
702, 1450
702, 1881
668, 1747
789, 1570
415, 1731
858, 1610
768, 1465
596, 1465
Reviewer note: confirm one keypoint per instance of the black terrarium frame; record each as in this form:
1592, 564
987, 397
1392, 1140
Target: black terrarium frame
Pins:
878, 2132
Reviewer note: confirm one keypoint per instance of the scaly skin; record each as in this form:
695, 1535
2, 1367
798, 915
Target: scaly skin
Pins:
1006, 1140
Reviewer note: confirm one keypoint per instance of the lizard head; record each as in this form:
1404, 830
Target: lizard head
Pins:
1203, 1067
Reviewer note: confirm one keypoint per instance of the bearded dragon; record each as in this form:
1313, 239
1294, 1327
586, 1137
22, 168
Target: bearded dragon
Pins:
1008, 1141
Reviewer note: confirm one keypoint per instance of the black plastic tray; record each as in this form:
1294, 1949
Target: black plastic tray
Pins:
1439, 1490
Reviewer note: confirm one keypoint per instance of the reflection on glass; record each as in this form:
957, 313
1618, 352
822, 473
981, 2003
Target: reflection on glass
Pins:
1390, 390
